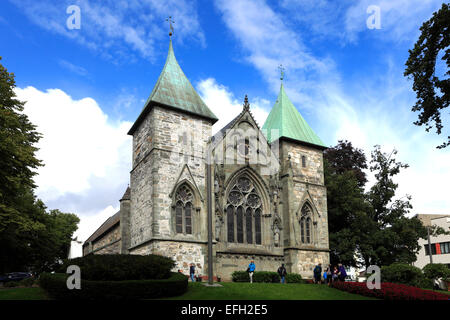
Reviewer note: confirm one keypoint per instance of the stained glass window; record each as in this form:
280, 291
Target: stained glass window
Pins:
244, 207
183, 210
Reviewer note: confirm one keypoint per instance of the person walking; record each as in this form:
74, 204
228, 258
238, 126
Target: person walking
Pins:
192, 272
317, 273
342, 273
250, 270
335, 273
282, 272
329, 275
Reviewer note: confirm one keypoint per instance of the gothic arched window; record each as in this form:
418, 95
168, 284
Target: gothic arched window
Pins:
306, 224
244, 207
183, 210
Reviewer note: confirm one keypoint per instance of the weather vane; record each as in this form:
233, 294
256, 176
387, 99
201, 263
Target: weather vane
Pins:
282, 71
170, 24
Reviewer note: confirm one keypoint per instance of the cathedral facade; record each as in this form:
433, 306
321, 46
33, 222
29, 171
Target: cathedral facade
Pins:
266, 187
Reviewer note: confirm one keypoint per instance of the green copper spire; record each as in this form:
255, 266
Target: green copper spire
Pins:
289, 122
174, 90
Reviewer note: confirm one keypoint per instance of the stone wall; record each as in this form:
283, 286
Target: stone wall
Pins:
304, 185
108, 243
183, 253
304, 261
226, 263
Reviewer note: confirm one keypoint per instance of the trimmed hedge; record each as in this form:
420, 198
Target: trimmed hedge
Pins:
116, 267
294, 278
56, 287
258, 276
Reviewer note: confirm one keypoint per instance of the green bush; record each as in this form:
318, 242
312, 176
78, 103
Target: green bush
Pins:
11, 284
56, 287
240, 276
436, 270
116, 267
258, 276
28, 282
404, 274
294, 278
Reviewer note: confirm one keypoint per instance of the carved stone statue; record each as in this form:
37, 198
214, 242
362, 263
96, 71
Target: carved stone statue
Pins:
218, 226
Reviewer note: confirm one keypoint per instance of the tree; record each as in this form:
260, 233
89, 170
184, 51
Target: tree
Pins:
345, 179
30, 237
372, 226
433, 94
394, 236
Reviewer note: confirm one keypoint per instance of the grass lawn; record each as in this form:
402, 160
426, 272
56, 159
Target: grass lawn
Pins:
34, 293
266, 291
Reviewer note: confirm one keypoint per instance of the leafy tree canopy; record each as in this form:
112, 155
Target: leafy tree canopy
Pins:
433, 94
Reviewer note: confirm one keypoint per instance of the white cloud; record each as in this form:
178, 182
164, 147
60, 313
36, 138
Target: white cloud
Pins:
345, 20
87, 157
78, 142
73, 68
117, 29
91, 222
268, 41
373, 109
225, 106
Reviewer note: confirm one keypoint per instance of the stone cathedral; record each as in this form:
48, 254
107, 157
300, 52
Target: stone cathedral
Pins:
267, 191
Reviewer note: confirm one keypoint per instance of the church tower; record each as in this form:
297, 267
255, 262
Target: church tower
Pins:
303, 197
167, 180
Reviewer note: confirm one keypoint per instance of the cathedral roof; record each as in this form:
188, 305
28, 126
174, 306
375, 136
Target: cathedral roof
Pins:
174, 90
286, 118
105, 227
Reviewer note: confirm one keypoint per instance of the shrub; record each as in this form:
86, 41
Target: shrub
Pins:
294, 278
11, 284
402, 273
436, 270
28, 282
56, 287
240, 276
116, 267
389, 291
266, 276
258, 276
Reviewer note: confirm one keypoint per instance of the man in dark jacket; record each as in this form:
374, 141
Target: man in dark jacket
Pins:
318, 273
282, 272
192, 272
342, 273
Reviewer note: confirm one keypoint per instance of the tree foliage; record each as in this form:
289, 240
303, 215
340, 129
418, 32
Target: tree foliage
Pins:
30, 237
433, 94
370, 226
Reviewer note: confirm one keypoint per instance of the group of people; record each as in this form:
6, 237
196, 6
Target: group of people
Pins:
330, 274
281, 271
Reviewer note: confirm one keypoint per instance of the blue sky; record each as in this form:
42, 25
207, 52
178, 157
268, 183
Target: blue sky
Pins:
86, 87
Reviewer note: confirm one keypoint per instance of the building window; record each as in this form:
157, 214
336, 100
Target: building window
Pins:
306, 224
445, 247
244, 207
438, 248
183, 210
303, 161
433, 249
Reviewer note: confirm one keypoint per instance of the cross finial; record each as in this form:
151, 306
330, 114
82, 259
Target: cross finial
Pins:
170, 25
246, 104
281, 71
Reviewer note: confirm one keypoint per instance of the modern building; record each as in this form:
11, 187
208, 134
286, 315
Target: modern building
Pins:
266, 186
440, 245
